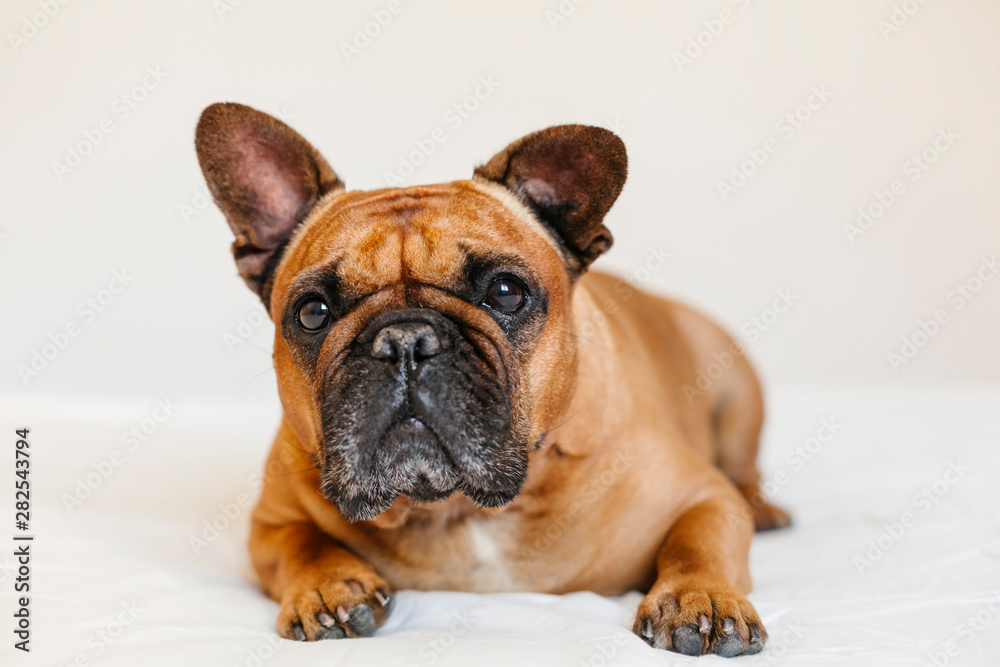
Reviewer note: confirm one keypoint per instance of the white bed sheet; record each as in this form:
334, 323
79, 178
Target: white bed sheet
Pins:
116, 581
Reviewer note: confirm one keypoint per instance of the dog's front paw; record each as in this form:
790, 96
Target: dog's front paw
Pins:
696, 619
323, 605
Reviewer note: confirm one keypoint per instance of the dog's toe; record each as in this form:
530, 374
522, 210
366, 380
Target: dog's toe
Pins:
728, 647
330, 633
362, 621
688, 640
386, 601
756, 644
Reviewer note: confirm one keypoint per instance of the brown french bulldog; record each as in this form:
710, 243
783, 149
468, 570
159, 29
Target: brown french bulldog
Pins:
467, 408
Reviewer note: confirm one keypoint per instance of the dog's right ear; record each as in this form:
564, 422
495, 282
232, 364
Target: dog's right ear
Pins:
569, 175
264, 178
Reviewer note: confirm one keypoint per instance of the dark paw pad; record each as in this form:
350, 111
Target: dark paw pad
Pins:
362, 621
728, 647
688, 640
331, 633
756, 645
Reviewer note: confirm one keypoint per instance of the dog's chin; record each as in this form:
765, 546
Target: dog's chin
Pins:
411, 461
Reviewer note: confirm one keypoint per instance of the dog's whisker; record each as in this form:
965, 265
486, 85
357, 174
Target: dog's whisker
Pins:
258, 347
266, 370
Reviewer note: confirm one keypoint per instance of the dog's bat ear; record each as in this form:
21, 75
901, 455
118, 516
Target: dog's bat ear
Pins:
569, 175
264, 178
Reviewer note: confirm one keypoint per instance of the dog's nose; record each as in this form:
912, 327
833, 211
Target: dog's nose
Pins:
412, 341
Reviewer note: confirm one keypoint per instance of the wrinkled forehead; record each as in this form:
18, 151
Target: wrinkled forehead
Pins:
423, 234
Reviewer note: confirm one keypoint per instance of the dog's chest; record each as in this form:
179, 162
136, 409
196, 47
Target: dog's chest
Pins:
489, 561
478, 554
497, 554
588, 533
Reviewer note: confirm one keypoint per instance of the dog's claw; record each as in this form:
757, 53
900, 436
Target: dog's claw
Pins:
342, 614
647, 628
688, 640
704, 624
728, 626
299, 633
362, 620
387, 601
325, 619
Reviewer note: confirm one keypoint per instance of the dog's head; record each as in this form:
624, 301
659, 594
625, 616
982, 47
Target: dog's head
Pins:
423, 335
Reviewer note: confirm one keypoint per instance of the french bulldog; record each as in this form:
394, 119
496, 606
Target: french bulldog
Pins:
468, 407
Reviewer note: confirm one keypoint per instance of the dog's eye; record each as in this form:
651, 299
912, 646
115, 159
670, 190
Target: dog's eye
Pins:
504, 294
313, 315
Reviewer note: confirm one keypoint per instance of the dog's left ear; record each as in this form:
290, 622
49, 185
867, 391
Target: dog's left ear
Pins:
264, 178
569, 175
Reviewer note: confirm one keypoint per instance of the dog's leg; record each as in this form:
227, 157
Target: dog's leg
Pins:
738, 415
697, 604
734, 402
325, 591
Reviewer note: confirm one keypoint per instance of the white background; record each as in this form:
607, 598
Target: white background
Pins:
609, 64
131, 205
